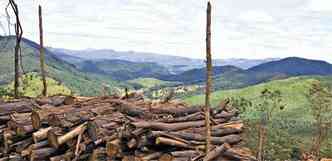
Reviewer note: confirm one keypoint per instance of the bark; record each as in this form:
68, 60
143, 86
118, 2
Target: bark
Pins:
113, 148
42, 52
40, 134
208, 77
172, 142
171, 126
185, 154
166, 157
42, 154
239, 155
56, 141
19, 33
56, 100
231, 139
17, 107
216, 152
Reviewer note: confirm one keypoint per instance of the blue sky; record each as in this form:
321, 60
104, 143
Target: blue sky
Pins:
241, 28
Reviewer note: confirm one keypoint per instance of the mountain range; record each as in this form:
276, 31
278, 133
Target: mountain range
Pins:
175, 64
86, 72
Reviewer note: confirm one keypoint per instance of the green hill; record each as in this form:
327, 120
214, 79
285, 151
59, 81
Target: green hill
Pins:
121, 69
291, 127
294, 91
79, 82
150, 82
31, 86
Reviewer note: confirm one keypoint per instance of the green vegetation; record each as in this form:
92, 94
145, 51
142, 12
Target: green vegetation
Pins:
120, 69
31, 86
79, 83
150, 82
292, 128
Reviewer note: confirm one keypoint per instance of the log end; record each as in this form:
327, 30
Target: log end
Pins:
52, 138
113, 148
35, 118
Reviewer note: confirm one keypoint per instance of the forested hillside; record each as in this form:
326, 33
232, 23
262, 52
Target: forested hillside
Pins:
80, 83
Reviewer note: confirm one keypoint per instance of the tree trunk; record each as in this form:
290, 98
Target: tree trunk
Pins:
209, 77
42, 52
19, 33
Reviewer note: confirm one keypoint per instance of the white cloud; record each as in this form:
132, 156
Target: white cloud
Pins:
256, 16
247, 29
320, 5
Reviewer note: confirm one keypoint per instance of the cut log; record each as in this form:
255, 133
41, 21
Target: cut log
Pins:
166, 157
40, 134
22, 106
152, 156
21, 145
113, 148
171, 126
231, 139
132, 143
176, 111
239, 154
56, 100
98, 155
63, 157
24, 130
216, 152
39, 145
185, 154
56, 141
171, 142
42, 154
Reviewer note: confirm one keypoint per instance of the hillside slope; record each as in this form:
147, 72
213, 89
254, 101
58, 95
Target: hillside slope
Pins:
121, 69
57, 69
294, 91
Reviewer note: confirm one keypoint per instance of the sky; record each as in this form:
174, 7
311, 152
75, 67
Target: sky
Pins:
241, 28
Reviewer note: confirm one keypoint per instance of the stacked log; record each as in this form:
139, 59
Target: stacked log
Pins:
115, 128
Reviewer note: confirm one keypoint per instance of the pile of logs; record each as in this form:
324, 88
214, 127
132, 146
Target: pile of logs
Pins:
114, 128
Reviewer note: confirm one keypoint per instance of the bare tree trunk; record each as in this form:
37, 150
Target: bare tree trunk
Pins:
209, 78
42, 52
262, 139
19, 33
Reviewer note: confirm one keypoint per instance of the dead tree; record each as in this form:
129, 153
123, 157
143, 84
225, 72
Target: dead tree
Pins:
19, 33
42, 52
209, 77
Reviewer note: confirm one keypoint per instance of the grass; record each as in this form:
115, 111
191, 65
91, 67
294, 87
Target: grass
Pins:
150, 82
294, 91
31, 86
292, 127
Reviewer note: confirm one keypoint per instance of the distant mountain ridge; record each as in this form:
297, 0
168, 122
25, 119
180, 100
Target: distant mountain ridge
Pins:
295, 66
67, 74
175, 64
121, 69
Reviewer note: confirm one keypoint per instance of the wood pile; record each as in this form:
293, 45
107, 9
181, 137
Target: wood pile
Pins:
114, 128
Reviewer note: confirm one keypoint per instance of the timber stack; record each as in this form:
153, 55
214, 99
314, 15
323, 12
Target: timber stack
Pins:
63, 128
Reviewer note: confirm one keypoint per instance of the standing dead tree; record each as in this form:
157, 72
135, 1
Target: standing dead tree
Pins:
19, 33
42, 52
209, 78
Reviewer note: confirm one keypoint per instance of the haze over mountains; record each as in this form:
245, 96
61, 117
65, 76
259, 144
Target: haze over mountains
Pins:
82, 71
176, 64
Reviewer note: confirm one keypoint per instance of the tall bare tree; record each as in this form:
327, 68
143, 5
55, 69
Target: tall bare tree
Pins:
42, 51
208, 77
19, 33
